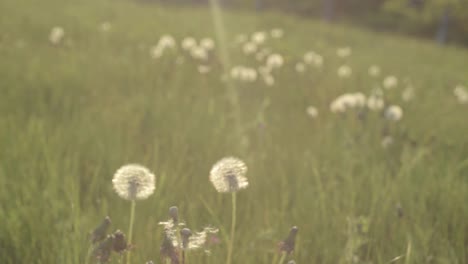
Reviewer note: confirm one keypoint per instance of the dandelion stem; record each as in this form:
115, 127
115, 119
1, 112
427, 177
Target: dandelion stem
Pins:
233, 227
283, 257
130, 228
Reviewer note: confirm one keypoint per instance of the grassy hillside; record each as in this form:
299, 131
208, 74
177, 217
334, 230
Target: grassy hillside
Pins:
357, 185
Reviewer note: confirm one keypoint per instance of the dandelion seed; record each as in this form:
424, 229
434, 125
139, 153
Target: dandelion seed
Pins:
343, 52
393, 113
374, 71
390, 82
344, 71
101, 231
56, 35
188, 43
277, 33
197, 240
312, 111
134, 182
228, 175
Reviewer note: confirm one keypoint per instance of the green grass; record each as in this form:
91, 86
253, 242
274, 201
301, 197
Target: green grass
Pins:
71, 115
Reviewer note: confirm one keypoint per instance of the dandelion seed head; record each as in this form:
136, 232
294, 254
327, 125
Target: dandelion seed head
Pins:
312, 111
228, 175
300, 67
313, 58
277, 33
408, 94
344, 71
461, 94
249, 48
393, 113
259, 37
390, 82
207, 43
56, 35
167, 41
375, 103
134, 182
275, 60
188, 43
199, 53
374, 71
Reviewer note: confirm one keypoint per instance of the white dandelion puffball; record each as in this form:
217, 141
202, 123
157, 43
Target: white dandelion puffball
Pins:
374, 71
259, 37
375, 103
156, 52
408, 94
207, 43
393, 113
134, 182
344, 71
390, 82
188, 43
269, 79
249, 48
166, 41
275, 61
343, 52
313, 58
277, 33
312, 111
199, 53
56, 35
461, 94
228, 175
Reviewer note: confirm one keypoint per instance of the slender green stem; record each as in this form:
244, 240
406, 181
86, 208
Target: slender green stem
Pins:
130, 229
233, 228
283, 257
88, 254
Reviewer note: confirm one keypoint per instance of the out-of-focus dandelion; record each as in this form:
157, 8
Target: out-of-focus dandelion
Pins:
207, 43
100, 232
275, 61
343, 52
277, 33
56, 35
243, 73
259, 37
408, 94
188, 43
375, 102
249, 48
286, 246
105, 26
374, 71
461, 93
312, 111
390, 82
228, 175
393, 113
300, 67
203, 69
156, 52
133, 182
387, 141
348, 101
313, 58
167, 41
268, 79
199, 53
344, 71
291, 262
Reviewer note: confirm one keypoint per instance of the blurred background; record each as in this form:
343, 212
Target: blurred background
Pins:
442, 20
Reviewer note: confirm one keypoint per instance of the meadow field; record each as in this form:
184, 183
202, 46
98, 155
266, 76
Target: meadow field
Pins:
358, 138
